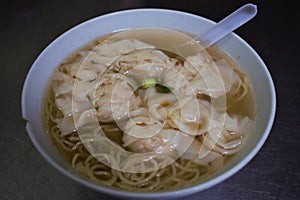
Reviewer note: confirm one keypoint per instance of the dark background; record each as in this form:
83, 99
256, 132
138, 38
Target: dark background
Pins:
28, 26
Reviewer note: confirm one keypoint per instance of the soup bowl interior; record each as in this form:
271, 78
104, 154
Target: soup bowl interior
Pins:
41, 70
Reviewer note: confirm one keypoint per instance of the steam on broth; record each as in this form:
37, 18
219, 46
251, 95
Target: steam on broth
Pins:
196, 110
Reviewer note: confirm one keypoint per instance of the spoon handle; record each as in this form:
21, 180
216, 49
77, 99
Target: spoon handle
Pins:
227, 25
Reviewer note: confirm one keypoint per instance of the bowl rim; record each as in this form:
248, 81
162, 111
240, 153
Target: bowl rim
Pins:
174, 193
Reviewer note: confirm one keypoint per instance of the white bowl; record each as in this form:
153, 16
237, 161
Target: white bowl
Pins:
78, 36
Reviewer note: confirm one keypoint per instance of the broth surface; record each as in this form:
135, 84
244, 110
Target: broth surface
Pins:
140, 62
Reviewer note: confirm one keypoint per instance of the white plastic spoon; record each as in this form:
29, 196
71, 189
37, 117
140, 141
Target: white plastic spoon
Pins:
227, 25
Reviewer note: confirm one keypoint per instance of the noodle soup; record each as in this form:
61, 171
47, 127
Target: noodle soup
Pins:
132, 112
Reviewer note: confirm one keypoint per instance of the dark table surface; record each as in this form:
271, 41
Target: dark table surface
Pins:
28, 26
